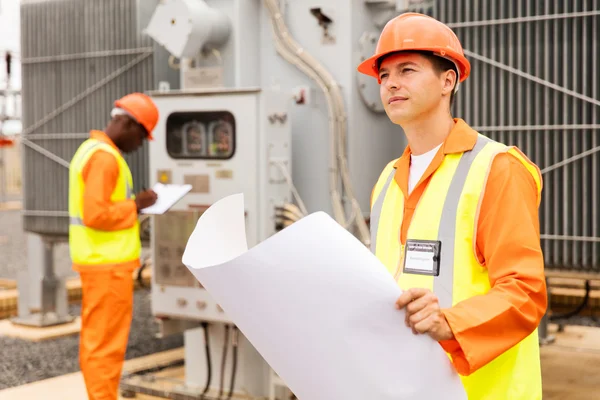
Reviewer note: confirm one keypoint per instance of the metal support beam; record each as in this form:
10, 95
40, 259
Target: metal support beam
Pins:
82, 56
571, 159
63, 136
532, 18
43, 298
515, 128
530, 77
44, 213
591, 239
70, 104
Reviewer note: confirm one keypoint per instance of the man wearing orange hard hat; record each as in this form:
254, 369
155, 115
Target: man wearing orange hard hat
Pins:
455, 218
104, 239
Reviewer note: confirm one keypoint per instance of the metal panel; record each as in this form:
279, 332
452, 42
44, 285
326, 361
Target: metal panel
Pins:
535, 83
72, 72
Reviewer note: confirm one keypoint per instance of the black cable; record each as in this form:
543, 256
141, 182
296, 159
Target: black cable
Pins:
224, 361
8, 60
234, 343
208, 361
578, 309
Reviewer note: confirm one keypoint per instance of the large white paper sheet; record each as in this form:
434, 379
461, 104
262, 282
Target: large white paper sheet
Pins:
168, 195
319, 307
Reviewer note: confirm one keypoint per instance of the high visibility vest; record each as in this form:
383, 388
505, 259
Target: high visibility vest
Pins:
448, 211
90, 246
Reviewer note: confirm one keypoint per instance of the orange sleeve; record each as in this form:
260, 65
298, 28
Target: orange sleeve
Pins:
508, 239
100, 175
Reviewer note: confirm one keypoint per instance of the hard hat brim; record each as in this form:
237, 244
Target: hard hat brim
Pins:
369, 66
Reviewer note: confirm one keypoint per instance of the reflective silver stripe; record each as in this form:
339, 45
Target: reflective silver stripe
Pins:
376, 211
92, 147
444, 283
76, 221
129, 192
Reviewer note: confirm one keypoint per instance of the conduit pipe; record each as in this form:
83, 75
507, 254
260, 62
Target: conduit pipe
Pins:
292, 52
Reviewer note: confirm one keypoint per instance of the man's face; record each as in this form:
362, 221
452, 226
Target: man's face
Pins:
410, 87
132, 135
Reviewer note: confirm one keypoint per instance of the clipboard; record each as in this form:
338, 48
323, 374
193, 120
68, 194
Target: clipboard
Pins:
168, 196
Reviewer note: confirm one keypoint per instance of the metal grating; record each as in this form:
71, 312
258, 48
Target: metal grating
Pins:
536, 83
78, 56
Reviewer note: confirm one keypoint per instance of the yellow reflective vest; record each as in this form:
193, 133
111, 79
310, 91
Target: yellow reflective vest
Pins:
90, 246
448, 212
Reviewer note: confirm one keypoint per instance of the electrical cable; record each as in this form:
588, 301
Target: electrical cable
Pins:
290, 183
292, 208
224, 361
579, 308
234, 343
208, 360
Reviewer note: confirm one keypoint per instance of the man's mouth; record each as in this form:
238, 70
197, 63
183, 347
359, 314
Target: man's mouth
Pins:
397, 99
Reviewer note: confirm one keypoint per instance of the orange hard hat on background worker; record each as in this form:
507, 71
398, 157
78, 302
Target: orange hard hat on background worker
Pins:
417, 32
141, 108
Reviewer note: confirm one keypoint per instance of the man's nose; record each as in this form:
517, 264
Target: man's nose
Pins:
391, 83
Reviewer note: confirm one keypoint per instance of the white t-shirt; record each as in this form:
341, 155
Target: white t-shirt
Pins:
418, 166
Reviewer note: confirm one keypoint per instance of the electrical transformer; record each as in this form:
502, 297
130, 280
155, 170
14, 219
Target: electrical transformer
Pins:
221, 142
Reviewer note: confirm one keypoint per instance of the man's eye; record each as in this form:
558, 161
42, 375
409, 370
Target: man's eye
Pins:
384, 75
407, 69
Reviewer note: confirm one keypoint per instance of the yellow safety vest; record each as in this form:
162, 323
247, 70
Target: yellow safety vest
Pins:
90, 246
448, 211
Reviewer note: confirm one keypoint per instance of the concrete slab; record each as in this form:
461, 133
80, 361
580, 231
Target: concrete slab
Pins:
570, 365
7, 328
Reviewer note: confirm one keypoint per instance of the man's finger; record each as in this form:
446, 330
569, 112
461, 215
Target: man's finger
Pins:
415, 307
421, 302
425, 325
422, 315
410, 295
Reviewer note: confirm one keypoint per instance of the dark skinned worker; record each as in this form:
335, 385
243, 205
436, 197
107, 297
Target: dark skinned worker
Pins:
104, 239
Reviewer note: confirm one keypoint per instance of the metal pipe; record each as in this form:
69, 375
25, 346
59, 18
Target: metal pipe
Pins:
335, 100
566, 173
557, 187
595, 159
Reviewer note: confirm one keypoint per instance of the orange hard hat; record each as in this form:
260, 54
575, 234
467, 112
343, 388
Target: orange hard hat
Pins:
142, 109
417, 32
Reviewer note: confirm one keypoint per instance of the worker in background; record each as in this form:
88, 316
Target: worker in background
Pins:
104, 239
455, 218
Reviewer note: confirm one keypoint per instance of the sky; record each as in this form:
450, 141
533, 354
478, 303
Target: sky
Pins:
10, 40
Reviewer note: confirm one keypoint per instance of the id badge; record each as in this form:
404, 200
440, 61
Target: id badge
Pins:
422, 257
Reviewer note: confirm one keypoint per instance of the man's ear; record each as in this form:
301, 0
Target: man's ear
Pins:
450, 78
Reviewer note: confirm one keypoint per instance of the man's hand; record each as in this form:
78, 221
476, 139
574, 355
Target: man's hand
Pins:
423, 314
145, 199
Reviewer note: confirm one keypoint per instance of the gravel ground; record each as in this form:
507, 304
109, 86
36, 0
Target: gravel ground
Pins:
23, 361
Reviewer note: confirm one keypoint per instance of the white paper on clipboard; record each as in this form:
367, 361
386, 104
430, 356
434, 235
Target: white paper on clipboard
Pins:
168, 195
